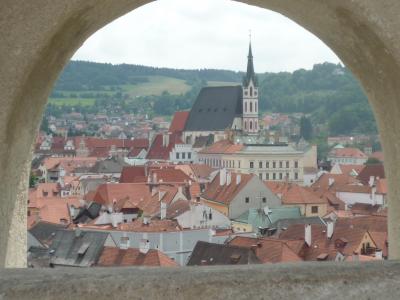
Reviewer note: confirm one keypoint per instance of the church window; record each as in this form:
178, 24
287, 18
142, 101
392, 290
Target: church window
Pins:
251, 106
251, 124
245, 107
251, 91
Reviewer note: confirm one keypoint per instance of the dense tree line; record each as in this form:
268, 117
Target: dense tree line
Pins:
328, 93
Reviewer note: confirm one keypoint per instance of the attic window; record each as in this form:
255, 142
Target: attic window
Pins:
235, 258
322, 256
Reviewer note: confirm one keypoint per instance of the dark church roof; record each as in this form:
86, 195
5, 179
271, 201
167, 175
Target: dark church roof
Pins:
215, 109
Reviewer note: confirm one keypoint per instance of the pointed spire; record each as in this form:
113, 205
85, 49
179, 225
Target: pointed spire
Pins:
250, 68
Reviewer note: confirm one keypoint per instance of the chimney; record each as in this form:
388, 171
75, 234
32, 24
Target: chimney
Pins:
378, 253
146, 220
163, 210
307, 235
144, 246
331, 181
222, 177
228, 178
238, 179
124, 242
371, 180
165, 140
329, 229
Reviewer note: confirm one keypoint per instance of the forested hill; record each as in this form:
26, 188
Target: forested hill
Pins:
328, 92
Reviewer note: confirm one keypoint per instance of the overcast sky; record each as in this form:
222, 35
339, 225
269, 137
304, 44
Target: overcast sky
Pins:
198, 34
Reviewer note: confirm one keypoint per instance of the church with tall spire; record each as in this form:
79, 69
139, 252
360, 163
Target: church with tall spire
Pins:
220, 110
250, 98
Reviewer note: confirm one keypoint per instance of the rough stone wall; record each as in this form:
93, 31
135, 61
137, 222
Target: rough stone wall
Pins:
319, 280
39, 37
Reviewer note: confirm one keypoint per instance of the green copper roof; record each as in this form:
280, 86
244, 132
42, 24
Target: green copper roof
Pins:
258, 218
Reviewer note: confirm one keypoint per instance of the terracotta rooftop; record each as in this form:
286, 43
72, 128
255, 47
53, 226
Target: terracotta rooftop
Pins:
160, 151
271, 250
220, 147
179, 121
376, 170
337, 180
348, 152
226, 193
133, 174
292, 193
115, 257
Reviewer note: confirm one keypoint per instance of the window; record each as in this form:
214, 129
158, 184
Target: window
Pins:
280, 165
251, 125
210, 215
183, 155
251, 165
260, 176
296, 164
264, 199
247, 199
245, 106
245, 125
267, 176
280, 176
239, 163
177, 155
251, 106
314, 209
189, 155
274, 176
260, 164
287, 164
251, 91
296, 176
287, 175
267, 164
274, 165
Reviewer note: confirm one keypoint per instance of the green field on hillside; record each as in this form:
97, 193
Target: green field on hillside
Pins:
71, 101
222, 83
157, 85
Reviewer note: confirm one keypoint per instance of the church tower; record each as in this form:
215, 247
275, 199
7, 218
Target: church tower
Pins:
250, 98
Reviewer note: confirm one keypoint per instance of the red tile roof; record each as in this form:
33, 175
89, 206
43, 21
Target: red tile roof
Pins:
226, 193
381, 186
376, 170
220, 147
115, 257
292, 193
133, 174
348, 152
154, 226
271, 250
169, 175
338, 180
179, 121
159, 151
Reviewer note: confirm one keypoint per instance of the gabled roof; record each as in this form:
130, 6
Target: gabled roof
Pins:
226, 193
160, 151
116, 257
131, 174
45, 231
217, 254
292, 193
222, 147
77, 248
348, 153
376, 170
179, 121
271, 250
337, 180
215, 109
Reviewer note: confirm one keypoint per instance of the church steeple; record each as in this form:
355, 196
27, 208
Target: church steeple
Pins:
250, 75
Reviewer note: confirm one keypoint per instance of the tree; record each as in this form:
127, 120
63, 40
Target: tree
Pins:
306, 130
372, 161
